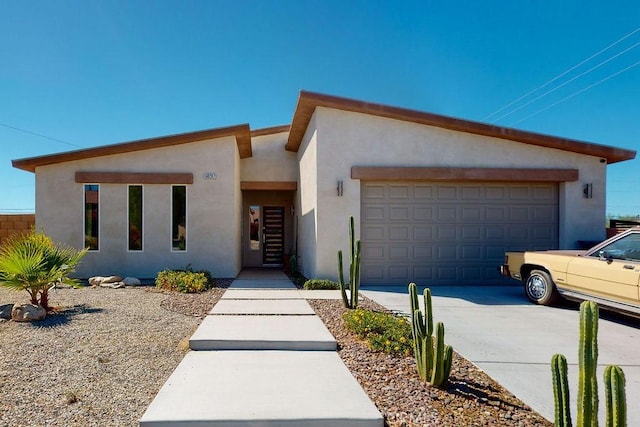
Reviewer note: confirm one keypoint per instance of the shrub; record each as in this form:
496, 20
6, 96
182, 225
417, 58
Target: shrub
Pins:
33, 262
185, 281
321, 284
383, 331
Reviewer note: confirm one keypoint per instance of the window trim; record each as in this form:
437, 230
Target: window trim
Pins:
128, 222
186, 219
84, 216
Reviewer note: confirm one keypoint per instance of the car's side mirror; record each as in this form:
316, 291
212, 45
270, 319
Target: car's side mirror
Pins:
604, 256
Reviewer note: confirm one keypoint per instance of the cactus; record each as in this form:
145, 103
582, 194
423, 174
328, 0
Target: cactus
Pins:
587, 381
350, 301
559, 375
614, 383
587, 359
433, 357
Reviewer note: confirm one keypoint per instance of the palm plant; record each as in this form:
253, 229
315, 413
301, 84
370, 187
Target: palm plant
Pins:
34, 263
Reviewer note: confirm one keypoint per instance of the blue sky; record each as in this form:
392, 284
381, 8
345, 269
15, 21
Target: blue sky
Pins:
90, 72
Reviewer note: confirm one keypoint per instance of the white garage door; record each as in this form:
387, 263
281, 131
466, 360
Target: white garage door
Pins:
451, 233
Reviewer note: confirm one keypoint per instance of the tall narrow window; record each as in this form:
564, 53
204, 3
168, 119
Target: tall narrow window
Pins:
91, 216
135, 217
179, 217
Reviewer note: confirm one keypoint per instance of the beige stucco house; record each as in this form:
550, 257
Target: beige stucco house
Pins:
436, 200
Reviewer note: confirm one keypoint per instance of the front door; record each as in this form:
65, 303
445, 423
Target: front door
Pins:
272, 235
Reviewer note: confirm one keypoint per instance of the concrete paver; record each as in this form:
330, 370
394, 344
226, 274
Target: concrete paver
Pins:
497, 329
288, 307
262, 284
320, 294
262, 388
262, 333
262, 294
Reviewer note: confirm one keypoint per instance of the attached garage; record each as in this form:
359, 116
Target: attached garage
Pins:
437, 233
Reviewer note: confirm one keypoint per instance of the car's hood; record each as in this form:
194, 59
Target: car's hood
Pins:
563, 252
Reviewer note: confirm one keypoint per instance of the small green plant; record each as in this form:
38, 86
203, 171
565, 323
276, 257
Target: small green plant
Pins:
383, 331
185, 281
350, 301
320, 284
614, 380
34, 263
433, 356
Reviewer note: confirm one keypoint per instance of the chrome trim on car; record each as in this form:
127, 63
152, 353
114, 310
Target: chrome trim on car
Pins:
607, 304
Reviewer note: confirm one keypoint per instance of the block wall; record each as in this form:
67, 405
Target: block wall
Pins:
15, 223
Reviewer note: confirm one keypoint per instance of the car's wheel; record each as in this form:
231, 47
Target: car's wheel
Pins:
540, 288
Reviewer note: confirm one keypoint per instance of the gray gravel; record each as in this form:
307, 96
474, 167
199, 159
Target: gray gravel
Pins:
99, 361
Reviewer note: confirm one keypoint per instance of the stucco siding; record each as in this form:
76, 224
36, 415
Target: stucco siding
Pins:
212, 210
270, 161
308, 203
346, 139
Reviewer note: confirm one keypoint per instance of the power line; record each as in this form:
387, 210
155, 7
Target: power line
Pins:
568, 81
40, 135
562, 74
578, 92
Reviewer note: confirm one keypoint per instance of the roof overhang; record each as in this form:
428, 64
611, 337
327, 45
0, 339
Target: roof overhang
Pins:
242, 133
309, 101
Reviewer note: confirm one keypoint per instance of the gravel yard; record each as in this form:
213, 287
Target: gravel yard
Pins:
103, 357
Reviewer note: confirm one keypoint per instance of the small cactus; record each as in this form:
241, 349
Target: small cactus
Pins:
614, 392
559, 374
350, 301
433, 357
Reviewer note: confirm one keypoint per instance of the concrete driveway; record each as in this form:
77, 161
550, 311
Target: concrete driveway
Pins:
497, 329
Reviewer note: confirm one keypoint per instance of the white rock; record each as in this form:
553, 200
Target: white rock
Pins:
131, 281
28, 313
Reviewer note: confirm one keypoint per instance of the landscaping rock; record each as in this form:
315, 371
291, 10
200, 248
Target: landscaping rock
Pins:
28, 313
112, 285
5, 311
113, 282
131, 281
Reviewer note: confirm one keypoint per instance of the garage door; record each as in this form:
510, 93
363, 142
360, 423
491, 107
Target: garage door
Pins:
451, 233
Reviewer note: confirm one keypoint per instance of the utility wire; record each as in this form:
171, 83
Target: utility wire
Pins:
562, 74
578, 92
40, 135
569, 81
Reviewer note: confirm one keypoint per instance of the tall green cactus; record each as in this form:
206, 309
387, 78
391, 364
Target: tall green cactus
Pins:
350, 301
587, 381
559, 374
615, 396
433, 357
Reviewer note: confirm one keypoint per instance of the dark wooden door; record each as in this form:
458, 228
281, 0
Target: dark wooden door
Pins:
273, 234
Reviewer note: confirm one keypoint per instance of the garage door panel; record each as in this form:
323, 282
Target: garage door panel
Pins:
452, 233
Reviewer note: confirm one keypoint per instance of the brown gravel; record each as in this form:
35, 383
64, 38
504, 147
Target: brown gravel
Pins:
103, 357
471, 399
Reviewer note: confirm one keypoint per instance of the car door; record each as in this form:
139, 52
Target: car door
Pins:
611, 271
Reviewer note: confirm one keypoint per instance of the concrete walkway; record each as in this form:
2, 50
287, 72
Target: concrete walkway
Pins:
262, 358
512, 340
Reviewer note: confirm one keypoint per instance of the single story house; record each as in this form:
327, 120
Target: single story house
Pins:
436, 200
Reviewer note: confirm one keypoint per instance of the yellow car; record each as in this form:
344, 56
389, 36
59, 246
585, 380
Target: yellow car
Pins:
608, 273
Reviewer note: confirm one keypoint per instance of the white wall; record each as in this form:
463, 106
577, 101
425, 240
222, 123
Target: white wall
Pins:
270, 161
213, 218
307, 202
345, 139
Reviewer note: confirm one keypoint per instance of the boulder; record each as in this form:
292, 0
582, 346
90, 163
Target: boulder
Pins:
95, 281
112, 285
28, 313
5, 311
131, 281
107, 281
112, 279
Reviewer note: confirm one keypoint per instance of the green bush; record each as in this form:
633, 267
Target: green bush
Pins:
185, 281
383, 331
321, 284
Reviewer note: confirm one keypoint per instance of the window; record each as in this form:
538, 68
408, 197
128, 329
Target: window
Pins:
91, 216
254, 228
626, 248
179, 217
135, 217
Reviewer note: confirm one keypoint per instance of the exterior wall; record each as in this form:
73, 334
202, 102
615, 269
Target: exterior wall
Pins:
270, 161
11, 224
307, 202
213, 210
344, 139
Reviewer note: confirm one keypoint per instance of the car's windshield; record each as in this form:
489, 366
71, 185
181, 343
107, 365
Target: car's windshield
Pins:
626, 248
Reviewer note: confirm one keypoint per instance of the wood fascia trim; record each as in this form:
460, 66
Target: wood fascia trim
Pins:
270, 130
269, 185
242, 133
377, 173
308, 101
133, 178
